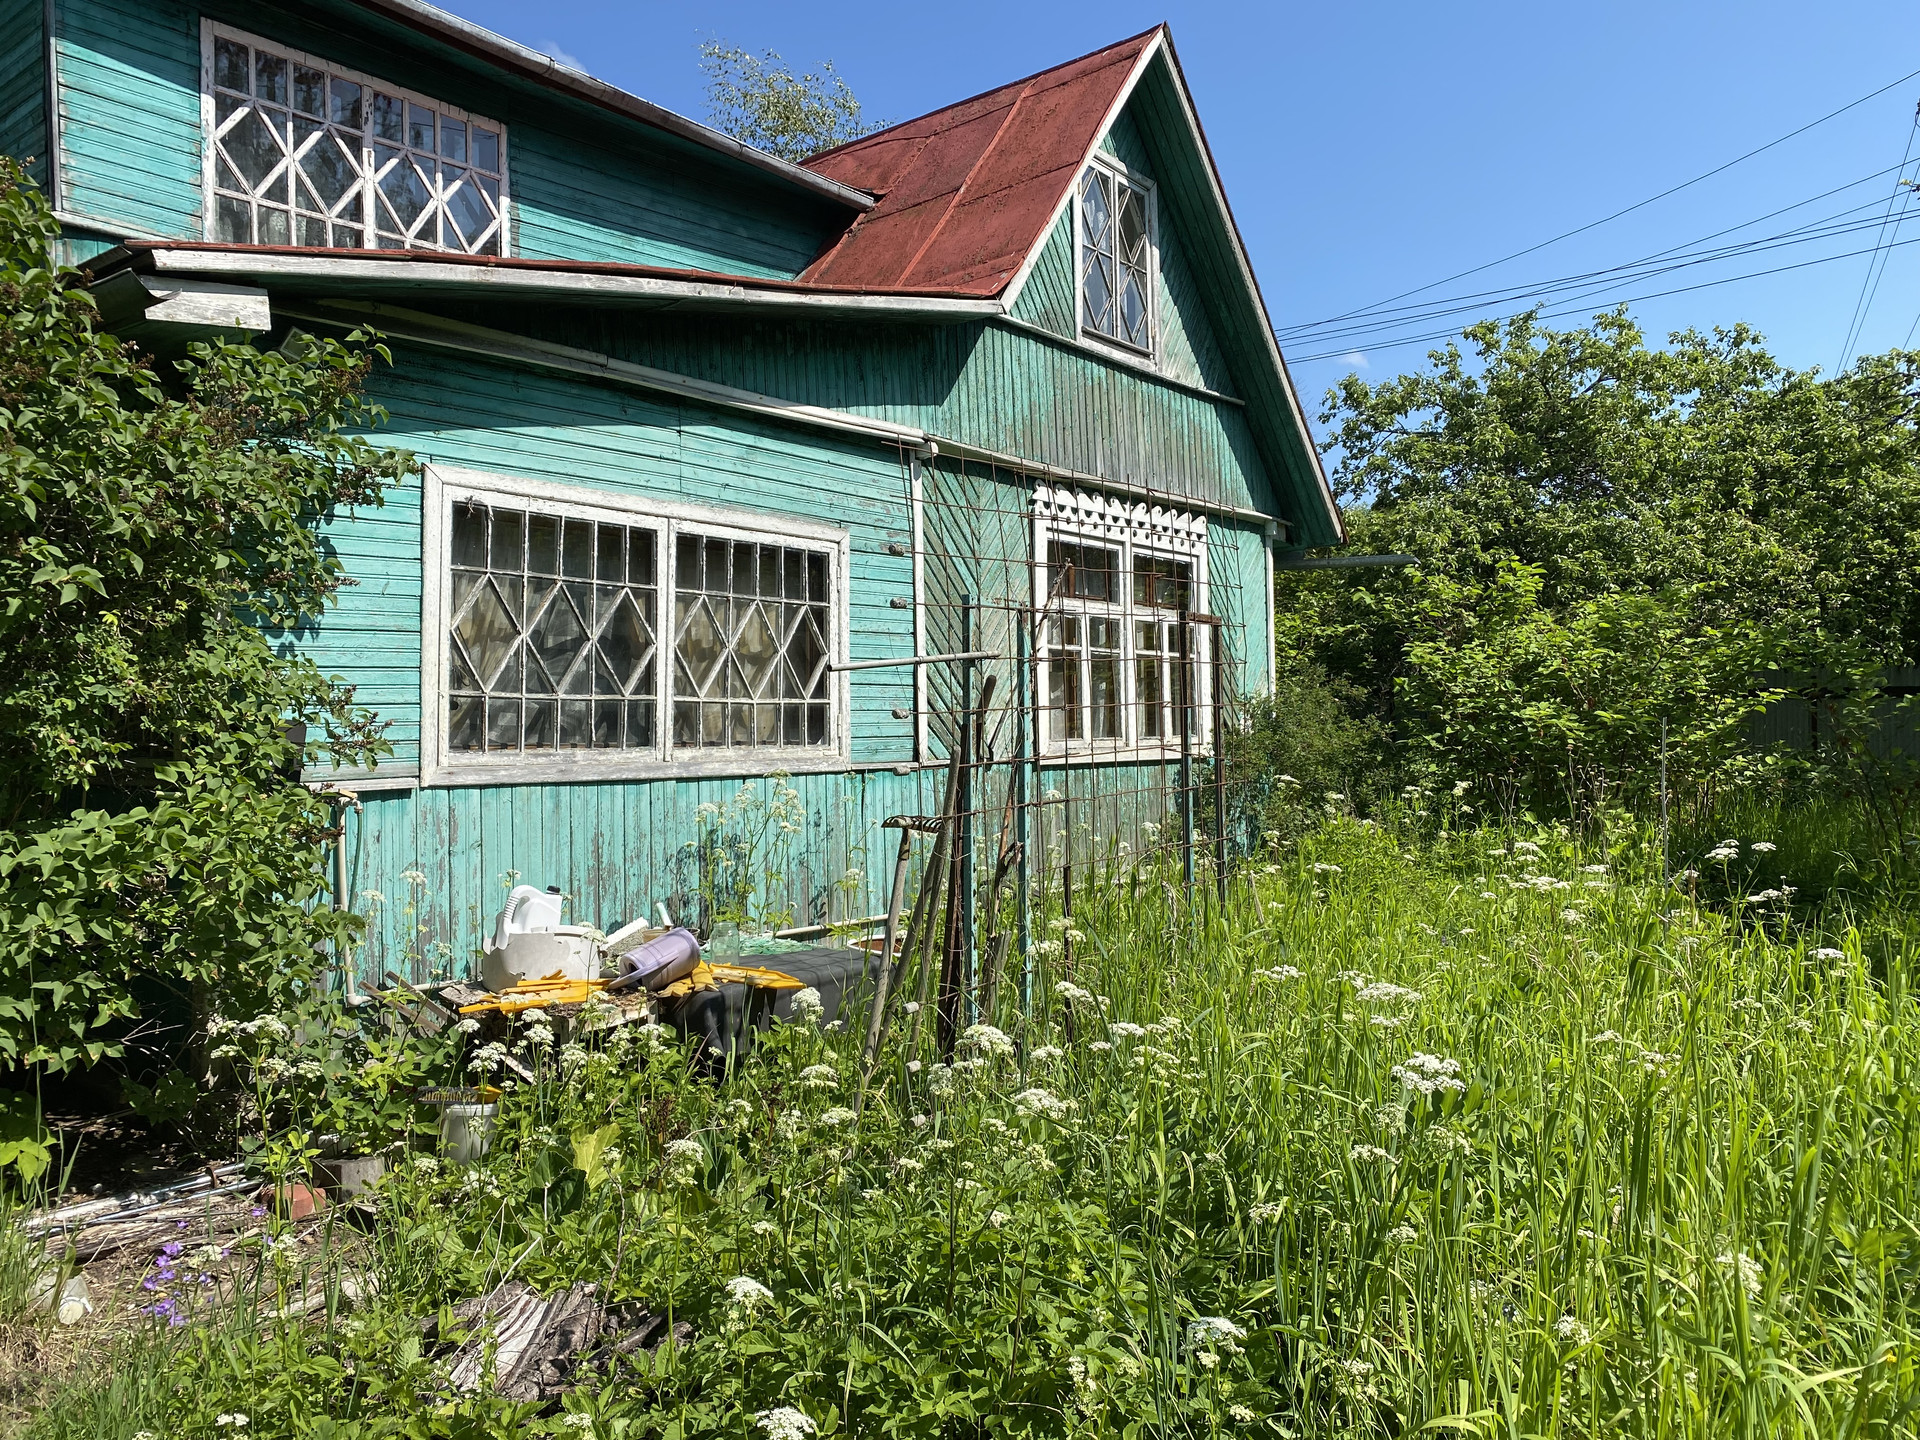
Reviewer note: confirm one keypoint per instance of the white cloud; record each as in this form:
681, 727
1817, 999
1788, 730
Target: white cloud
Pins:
572, 62
1357, 359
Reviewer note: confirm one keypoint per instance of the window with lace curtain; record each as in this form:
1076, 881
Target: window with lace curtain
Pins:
301, 151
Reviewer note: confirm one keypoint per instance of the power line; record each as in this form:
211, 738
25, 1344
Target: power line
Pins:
1877, 266
1594, 283
1310, 330
1624, 300
1638, 205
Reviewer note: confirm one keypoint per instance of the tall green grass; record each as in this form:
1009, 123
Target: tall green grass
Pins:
1481, 1134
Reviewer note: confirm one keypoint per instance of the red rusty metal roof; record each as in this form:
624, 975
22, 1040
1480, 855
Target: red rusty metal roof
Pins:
967, 192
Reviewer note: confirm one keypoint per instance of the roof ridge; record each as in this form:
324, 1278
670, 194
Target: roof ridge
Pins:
1022, 85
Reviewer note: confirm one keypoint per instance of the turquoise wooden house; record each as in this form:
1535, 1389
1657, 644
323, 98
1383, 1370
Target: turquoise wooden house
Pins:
721, 454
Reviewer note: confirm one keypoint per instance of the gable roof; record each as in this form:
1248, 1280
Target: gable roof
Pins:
967, 192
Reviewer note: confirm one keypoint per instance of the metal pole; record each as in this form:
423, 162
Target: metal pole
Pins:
1186, 750
1023, 916
966, 895
1219, 772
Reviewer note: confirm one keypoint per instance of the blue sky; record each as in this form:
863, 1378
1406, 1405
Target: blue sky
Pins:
1371, 149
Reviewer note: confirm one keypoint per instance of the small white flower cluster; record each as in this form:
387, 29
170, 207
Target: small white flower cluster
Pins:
1427, 1073
488, 1058
1126, 1030
1046, 1054
1763, 847
1214, 1332
1593, 869
1073, 994
1402, 1235
1725, 851
998, 1219
1322, 867
1382, 992
235, 1419
1371, 1152
1037, 1103
1277, 973
1826, 952
785, 1423
819, 1077
685, 1159
1266, 1212
1571, 1330
746, 1293
838, 1115
807, 1010
990, 1041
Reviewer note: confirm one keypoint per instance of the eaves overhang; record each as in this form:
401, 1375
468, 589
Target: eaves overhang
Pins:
484, 44
401, 273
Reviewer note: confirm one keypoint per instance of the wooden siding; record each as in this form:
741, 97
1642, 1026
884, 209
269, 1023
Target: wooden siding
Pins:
1184, 334
1048, 299
997, 386
586, 184
525, 423
23, 84
130, 113
616, 848
1188, 209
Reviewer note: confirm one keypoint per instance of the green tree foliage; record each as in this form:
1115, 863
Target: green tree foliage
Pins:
758, 99
157, 535
1611, 535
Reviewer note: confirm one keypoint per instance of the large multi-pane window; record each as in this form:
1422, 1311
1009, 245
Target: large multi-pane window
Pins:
302, 152
551, 625
1116, 258
1115, 653
571, 628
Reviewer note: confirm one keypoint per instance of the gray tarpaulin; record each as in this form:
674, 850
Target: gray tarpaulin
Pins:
725, 1020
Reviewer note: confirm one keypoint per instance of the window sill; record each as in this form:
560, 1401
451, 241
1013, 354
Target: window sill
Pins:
1123, 755
588, 768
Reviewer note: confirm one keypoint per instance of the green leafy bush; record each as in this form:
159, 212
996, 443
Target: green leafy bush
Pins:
157, 524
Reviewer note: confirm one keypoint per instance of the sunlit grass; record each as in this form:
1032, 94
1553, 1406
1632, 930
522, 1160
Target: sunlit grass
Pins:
1489, 1133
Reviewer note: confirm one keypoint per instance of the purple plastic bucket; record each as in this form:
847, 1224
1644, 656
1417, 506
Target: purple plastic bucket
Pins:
658, 963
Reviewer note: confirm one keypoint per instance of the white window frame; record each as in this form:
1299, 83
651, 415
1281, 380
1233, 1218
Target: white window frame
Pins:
445, 486
1099, 339
368, 184
1132, 528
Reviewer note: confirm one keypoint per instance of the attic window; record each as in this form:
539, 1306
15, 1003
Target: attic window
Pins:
1116, 258
302, 152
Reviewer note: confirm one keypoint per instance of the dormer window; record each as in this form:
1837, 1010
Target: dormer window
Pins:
1116, 258
302, 152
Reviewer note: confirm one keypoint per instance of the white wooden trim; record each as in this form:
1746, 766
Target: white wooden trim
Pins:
407, 268
370, 204
442, 485
1108, 345
917, 538
1131, 528
56, 129
1273, 621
